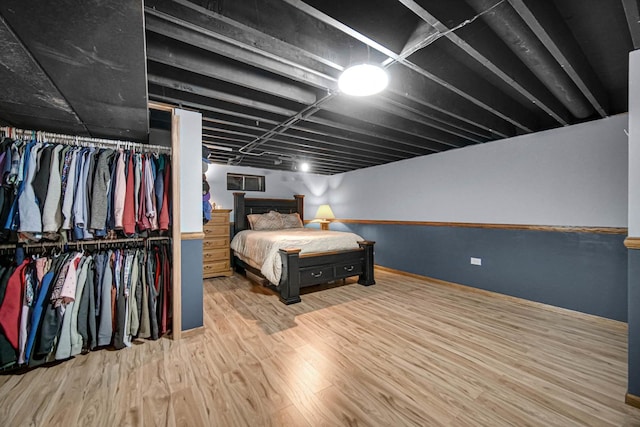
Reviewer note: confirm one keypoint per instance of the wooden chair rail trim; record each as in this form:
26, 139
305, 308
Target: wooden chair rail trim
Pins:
555, 228
539, 305
198, 235
632, 242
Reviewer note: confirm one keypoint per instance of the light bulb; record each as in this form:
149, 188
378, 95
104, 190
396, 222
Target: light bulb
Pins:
363, 80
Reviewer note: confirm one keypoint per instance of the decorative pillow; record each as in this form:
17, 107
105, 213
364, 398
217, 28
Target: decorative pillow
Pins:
291, 220
268, 221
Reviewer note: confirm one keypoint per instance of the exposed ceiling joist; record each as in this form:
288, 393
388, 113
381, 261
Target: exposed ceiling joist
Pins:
516, 77
547, 25
632, 12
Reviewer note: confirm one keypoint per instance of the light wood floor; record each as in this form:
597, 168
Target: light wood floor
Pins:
403, 352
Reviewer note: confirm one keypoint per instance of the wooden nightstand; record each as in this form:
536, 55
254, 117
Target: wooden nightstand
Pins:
216, 255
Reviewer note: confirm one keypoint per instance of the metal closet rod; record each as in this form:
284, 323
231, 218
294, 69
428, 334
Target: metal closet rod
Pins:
79, 140
83, 243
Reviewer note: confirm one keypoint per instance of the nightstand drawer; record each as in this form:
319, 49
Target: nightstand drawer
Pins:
216, 230
215, 243
218, 218
217, 268
211, 255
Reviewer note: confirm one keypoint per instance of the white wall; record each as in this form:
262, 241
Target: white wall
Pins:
278, 184
190, 133
570, 176
634, 144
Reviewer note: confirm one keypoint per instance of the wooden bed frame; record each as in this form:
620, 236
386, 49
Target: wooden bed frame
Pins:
299, 271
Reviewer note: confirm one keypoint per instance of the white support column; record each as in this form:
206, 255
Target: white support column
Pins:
633, 240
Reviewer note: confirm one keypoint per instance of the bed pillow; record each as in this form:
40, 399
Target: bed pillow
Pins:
268, 221
291, 220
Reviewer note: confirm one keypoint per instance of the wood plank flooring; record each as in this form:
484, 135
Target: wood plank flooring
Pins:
405, 352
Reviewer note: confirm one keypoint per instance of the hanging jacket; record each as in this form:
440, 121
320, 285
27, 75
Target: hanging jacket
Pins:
36, 313
41, 180
12, 306
165, 220
105, 328
8, 356
99, 191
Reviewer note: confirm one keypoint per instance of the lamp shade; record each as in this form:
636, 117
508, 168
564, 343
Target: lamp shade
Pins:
325, 212
363, 80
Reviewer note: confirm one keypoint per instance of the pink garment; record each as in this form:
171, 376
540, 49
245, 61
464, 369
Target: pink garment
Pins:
41, 264
68, 292
151, 211
165, 214
141, 217
120, 191
129, 216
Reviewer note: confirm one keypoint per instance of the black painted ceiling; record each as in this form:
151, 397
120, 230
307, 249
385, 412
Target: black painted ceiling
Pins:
264, 72
74, 67
462, 72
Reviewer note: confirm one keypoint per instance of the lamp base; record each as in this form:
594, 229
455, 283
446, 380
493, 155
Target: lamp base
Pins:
324, 225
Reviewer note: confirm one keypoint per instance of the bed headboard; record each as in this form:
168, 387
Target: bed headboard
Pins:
243, 206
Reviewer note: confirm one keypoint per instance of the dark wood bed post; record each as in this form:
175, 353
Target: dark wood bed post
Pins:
290, 280
366, 278
300, 205
239, 217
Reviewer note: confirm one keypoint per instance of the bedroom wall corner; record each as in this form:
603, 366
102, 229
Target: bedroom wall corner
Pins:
279, 184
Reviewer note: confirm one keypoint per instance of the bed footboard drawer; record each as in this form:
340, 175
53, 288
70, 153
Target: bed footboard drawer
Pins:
348, 269
317, 274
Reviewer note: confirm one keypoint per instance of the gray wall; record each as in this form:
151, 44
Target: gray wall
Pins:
572, 176
585, 272
575, 175
191, 280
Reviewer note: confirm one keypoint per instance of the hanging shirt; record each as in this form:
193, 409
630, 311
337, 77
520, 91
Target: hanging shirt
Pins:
51, 222
30, 219
69, 191
120, 191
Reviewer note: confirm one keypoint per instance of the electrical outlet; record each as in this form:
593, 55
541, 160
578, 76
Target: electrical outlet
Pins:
476, 261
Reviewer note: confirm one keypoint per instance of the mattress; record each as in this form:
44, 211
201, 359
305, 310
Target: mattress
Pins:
260, 249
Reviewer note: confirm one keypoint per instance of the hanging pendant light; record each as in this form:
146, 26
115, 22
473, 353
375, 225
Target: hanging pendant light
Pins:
363, 80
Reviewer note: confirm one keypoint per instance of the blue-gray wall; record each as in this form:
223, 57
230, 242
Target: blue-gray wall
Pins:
634, 322
192, 295
585, 272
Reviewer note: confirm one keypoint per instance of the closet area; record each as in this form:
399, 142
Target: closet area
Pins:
85, 246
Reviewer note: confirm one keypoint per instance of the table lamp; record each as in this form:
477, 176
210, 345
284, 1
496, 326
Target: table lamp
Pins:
324, 215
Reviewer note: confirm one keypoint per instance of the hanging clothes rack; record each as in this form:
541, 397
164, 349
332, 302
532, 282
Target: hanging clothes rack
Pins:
58, 138
129, 257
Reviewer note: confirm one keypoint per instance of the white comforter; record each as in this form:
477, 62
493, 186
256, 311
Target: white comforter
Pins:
260, 248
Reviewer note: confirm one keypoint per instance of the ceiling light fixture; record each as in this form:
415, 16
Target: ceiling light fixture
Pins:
363, 80
304, 167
